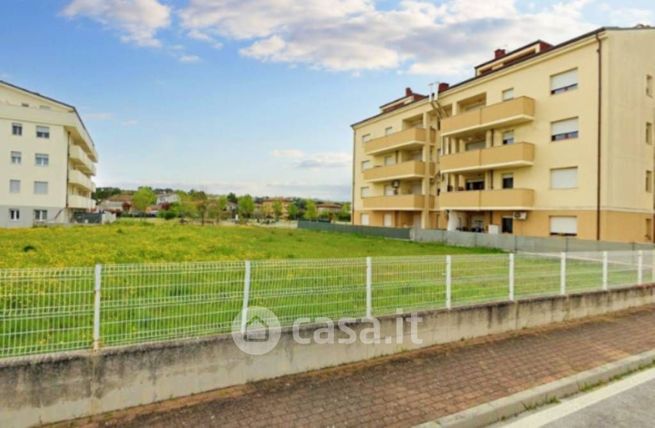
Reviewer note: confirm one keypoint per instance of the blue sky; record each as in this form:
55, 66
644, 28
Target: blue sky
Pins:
257, 96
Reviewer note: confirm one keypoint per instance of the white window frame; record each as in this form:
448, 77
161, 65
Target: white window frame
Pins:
568, 129
365, 219
40, 215
16, 158
365, 191
388, 130
366, 138
14, 214
564, 82
505, 176
508, 94
14, 186
367, 164
508, 140
573, 176
563, 225
44, 159
43, 132
37, 185
17, 129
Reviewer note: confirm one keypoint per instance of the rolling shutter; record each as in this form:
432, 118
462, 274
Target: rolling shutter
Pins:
564, 225
564, 178
564, 126
564, 80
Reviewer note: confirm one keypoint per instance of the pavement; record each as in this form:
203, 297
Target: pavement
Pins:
625, 403
411, 388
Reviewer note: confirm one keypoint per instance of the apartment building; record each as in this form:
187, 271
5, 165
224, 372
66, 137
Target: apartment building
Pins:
543, 140
48, 160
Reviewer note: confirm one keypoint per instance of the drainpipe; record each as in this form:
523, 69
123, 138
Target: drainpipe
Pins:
598, 148
352, 199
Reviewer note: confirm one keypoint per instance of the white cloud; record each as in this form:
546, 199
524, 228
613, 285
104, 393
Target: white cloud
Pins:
130, 122
189, 59
315, 160
137, 21
352, 35
100, 116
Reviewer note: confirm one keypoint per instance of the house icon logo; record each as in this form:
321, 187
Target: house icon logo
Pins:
256, 331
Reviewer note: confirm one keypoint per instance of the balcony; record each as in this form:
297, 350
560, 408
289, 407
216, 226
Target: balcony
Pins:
397, 203
80, 202
411, 138
411, 169
81, 160
507, 113
79, 179
482, 200
510, 155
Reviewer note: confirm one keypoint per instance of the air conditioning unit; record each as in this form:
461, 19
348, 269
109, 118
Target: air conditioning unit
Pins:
395, 184
520, 215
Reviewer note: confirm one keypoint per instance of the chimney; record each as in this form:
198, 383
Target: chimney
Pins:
443, 86
408, 92
499, 53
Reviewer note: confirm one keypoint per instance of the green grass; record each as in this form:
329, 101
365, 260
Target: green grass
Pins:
46, 310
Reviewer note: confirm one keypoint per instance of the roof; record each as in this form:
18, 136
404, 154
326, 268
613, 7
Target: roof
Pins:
37, 94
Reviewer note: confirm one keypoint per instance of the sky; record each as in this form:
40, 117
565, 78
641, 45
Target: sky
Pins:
257, 96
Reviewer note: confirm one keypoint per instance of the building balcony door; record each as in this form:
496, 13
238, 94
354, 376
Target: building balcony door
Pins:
507, 225
388, 220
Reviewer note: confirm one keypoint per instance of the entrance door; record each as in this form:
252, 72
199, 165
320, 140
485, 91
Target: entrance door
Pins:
388, 220
364, 219
417, 220
507, 225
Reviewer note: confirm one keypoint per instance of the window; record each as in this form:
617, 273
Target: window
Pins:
649, 181
366, 165
508, 137
564, 226
564, 178
508, 94
649, 229
365, 191
40, 215
564, 82
365, 138
14, 214
40, 187
389, 160
24, 104
14, 186
364, 220
476, 145
649, 85
388, 130
475, 184
507, 225
44, 107
41, 159
388, 220
649, 133
17, 129
42, 132
508, 181
16, 158
389, 190
564, 129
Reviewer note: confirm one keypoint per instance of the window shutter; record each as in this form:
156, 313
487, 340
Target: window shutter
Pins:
563, 80
564, 178
564, 225
564, 126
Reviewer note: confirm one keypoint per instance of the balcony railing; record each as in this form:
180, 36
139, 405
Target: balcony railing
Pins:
478, 200
397, 202
79, 179
407, 139
506, 113
81, 160
411, 169
80, 202
515, 155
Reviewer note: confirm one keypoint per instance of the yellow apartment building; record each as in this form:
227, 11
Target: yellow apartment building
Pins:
543, 140
48, 160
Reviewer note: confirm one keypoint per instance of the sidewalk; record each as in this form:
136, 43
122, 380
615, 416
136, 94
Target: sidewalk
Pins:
412, 388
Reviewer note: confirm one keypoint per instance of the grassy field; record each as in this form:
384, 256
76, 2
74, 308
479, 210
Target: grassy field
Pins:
51, 309
147, 242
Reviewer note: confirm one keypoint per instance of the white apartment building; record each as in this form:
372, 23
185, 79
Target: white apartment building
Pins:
47, 160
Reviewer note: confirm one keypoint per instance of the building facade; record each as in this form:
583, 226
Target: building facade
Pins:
544, 140
49, 160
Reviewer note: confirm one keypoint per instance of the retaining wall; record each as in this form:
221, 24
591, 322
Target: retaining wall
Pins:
58, 387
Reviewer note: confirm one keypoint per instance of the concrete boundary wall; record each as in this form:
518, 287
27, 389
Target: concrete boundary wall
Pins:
51, 388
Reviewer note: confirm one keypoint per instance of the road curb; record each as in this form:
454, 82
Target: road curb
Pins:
494, 411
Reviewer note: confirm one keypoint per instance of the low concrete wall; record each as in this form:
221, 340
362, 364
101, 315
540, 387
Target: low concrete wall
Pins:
64, 386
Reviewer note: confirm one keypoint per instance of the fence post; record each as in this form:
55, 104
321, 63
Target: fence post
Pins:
369, 287
449, 282
246, 298
562, 275
605, 270
511, 277
640, 267
96, 307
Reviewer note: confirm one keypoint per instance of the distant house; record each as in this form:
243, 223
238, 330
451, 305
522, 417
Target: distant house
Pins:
167, 198
328, 207
116, 204
268, 203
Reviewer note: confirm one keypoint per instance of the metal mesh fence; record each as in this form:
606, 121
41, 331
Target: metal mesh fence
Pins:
51, 310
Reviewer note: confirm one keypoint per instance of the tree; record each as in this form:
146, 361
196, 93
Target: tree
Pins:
277, 209
103, 193
344, 213
216, 207
143, 198
292, 211
246, 206
201, 202
311, 212
186, 206
231, 197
